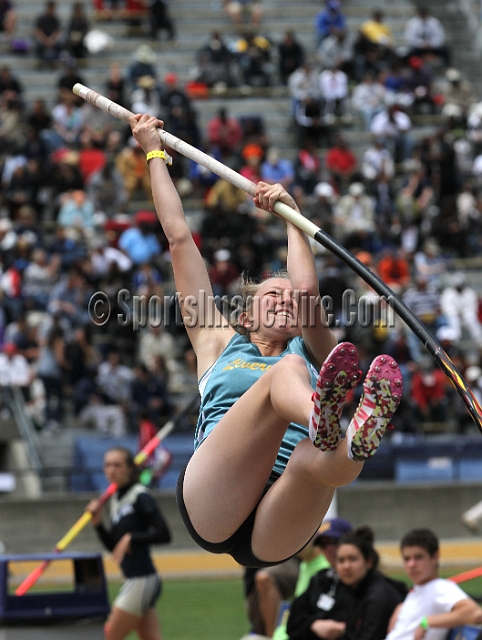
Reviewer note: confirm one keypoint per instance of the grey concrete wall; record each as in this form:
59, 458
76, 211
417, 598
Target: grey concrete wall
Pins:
30, 526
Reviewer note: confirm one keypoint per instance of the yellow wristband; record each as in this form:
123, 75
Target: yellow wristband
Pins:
159, 154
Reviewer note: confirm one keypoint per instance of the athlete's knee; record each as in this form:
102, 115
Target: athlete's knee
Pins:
264, 581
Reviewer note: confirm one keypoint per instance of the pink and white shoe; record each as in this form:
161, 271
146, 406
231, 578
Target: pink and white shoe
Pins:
382, 393
337, 376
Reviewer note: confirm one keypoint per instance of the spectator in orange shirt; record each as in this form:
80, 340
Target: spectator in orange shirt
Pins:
341, 162
394, 269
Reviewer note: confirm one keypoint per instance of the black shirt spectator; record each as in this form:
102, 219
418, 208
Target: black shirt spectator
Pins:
291, 56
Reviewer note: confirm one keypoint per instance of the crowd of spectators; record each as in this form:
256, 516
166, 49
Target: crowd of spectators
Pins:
77, 215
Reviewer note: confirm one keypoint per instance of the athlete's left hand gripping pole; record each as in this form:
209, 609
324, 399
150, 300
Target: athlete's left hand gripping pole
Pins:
85, 518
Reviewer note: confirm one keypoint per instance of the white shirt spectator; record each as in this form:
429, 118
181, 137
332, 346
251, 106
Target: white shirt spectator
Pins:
303, 83
103, 257
459, 303
14, 371
115, 381
436, 596
333, 84
377, 160
385, 127
421, 33
368, 95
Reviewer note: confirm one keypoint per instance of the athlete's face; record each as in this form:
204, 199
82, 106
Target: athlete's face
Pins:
116, 468
419, 565
351, 565
274, 310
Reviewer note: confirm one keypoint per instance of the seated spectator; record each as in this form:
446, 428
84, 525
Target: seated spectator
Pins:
67, 124
224, 132
252, 155
353, 603
216, 63
143, 64
341, 163
321, 206
223, 273
173, 96
429, 263
76, 211
423, 300
395, 81
8, 19
337, 51
393, 126
107, 419
105, 189
148, 393
160, 20
433, 605
419, 84
303, 84
459, 304
38, 278
355, 219
130, 162
237, 9
14, 368
69, 297
51, 369
425, 36
277, 169
156, 341
139, 242
318, 555
76, 31
457, 91
377, 161
307, 167
265, 590
290, 55
311, 123
226, 197
114, 380
414, 196
48, 35
377, 32
334, 94
254, 57
394, 269
147, 280
329, 21
11, 131
145, 97
115, 85
10, 83
39, 117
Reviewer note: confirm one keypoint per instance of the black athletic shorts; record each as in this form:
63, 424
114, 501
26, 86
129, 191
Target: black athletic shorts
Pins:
238, 545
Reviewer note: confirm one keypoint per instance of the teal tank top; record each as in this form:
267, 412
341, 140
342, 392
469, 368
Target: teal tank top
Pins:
234, 372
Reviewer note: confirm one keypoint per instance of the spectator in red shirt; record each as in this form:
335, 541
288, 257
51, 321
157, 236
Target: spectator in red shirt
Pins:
341, 162
428, 393
223, 272
225, 132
